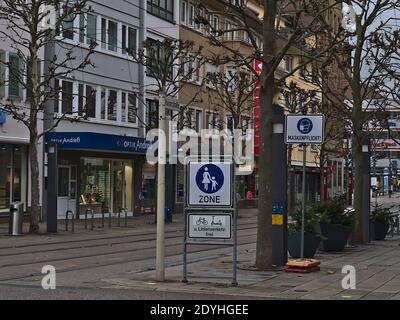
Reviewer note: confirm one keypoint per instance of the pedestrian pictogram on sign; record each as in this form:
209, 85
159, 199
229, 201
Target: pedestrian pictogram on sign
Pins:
209, 184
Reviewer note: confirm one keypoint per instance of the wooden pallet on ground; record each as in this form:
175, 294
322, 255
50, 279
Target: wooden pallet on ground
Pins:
303, 266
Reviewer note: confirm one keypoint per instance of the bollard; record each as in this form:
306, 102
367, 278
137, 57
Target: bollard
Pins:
109, 219
72, 220
119, 218
92, 228
86, 213
102, 219
126, 217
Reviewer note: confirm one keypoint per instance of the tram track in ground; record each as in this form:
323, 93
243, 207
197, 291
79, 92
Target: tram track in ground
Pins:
110, 250
100, 237
169, 254
85, 243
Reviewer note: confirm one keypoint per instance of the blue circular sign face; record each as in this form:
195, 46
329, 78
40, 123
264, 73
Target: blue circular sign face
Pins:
305, 126
210, 179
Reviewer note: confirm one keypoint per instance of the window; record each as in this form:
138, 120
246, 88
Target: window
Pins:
112, 36
230, 123
157, 55
191, 15
67, 97
104, 33
288, 64
123, 107
132, 105
210, 71
246, 124
183, 12
103, 104
163, 9
2, 74
15, 88
63, 182
211, 120
129, 39
90, 102
230, 78
68, 27
214, 23
112, 105
198, 119
152, 114
87, 101
230, 33
128, 107
91, 33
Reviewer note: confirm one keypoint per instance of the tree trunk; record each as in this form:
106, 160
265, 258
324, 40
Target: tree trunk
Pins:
322, 173
358, 237
35, 193
267, 90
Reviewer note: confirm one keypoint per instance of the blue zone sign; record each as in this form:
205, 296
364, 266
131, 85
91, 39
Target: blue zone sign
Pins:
98, 141
210, 185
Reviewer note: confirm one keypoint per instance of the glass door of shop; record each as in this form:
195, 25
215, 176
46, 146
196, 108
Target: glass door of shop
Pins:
67, 188
122, 185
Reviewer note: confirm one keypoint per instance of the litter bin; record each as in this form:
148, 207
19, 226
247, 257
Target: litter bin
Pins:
167, 215
16, 218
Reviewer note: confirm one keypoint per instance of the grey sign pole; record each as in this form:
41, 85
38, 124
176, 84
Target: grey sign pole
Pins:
52, 183
235, 215
303, 199
209, 211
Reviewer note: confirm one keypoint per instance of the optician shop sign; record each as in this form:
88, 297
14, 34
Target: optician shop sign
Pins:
98, 141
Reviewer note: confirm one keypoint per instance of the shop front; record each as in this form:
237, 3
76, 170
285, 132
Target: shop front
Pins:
103, 173
13, 175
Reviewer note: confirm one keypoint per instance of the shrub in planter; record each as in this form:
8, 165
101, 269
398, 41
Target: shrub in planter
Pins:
311, 238
335, 223
380, 220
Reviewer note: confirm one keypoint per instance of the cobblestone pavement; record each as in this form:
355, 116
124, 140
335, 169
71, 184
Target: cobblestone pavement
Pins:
119, 262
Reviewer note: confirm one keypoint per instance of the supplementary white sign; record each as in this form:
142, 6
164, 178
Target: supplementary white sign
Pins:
210, 226
305, 129
210, 184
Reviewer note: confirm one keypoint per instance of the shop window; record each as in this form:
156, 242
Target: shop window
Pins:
63, 182
12, 175
95, 185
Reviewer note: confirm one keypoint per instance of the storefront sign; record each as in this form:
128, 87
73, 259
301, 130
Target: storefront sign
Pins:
98, 141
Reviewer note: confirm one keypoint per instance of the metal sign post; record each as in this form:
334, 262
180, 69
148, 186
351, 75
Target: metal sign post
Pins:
210, 207
304, 130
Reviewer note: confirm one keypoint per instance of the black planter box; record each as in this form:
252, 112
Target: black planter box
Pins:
335, 236
311, 243
380, 230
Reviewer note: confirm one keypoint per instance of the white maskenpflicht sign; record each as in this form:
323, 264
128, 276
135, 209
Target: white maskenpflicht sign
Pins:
305, 129
210, 185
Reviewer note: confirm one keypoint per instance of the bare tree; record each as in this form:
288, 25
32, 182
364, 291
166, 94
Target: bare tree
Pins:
288, 29
372, 41
167, 62
29, 27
